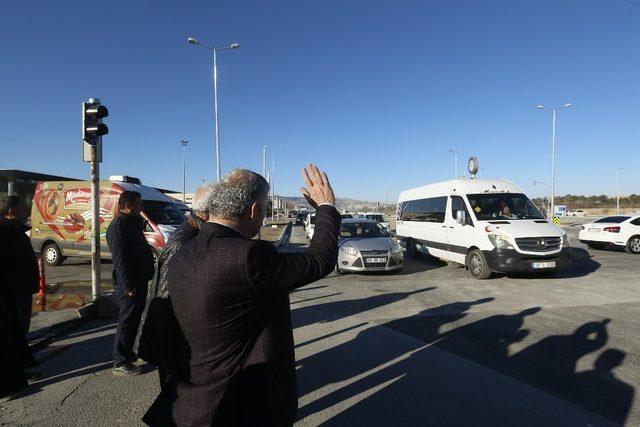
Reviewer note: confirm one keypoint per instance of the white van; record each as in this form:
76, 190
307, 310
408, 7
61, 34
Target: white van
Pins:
310, 225
486, 225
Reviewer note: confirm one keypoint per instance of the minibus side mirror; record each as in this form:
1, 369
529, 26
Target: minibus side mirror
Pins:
461, 217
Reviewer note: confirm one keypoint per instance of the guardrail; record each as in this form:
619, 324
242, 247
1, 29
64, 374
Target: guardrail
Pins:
285, 237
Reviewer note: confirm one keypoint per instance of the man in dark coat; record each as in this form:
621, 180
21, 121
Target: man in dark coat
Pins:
132, 268
21, 275
19, 279
230, 295
160, 340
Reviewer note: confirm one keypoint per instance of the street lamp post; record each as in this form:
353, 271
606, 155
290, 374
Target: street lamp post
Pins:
264, 160
455, 161
273, 183
213, 51
184, 143
618, 191
553, 152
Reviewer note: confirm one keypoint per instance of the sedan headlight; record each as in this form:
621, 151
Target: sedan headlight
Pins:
500, 241
350, 250
395, 248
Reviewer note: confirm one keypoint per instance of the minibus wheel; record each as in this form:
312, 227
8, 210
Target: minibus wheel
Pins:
52, 255
478, 266
633, 245
412, 251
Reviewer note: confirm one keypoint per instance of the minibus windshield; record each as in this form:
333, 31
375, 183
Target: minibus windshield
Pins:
165, 213
362, 229
503, 206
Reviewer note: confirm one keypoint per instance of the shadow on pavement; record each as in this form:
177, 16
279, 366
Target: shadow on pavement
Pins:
399, 385
345, 308
83, 357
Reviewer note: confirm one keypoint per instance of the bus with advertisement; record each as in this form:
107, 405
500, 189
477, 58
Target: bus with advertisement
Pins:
61, 216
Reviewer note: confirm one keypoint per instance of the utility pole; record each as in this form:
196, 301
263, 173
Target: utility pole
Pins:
618, 191
92, 131
455, 162
184, 143
553, 154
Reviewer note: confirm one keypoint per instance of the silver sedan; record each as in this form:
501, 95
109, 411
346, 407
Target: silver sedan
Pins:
365, 245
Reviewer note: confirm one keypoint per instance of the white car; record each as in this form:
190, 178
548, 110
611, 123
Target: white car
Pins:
378, 216
619, 230
310, 225
577, 212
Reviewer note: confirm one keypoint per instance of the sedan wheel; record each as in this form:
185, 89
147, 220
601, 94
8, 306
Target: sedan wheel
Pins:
633, 245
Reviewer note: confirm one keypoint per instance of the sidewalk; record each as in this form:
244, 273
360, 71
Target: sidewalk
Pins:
350, 372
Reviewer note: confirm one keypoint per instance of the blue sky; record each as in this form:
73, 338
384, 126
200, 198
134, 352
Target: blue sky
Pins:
367, 90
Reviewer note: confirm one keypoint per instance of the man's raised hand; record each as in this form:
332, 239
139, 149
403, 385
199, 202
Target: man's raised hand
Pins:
318, 188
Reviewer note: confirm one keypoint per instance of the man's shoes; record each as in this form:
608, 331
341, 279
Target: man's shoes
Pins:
126, 369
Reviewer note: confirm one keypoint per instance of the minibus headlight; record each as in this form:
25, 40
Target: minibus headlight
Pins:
566, 243
350, 250
500, 241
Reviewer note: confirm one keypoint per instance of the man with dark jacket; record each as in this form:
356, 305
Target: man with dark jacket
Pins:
132, 269
160, 340
230, 296
22, 276
19, 279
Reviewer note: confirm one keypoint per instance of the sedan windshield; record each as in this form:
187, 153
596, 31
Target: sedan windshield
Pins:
163, 212
362, 229
503, 206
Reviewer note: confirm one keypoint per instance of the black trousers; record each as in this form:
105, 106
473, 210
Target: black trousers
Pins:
129, 314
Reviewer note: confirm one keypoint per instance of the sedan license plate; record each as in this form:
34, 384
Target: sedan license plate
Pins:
549, 264
593, 230
375, 260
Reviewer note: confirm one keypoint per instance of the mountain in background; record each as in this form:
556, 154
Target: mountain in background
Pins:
341, 203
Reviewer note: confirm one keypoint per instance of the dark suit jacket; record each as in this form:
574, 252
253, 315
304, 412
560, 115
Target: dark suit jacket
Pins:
230, 296
131, 254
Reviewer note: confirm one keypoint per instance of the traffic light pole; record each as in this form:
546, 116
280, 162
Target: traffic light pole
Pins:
92, 130
95, 221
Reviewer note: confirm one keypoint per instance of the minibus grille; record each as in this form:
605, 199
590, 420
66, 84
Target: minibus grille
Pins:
539, 244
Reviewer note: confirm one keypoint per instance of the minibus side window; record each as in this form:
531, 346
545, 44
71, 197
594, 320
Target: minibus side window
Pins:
457, 204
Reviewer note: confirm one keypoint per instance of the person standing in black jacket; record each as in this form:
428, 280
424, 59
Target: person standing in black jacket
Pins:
22, 275
160, 340
19, 279
133, 267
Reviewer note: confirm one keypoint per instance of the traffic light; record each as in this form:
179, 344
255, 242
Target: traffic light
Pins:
92, 127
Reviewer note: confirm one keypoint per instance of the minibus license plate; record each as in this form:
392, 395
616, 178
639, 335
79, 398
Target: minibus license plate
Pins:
549, 264
375, 260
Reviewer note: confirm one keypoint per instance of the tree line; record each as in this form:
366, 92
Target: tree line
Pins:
581, 202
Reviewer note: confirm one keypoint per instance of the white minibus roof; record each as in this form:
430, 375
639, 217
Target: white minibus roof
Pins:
460, 186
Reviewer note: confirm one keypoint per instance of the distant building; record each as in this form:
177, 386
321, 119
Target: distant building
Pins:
23, 183
188, 197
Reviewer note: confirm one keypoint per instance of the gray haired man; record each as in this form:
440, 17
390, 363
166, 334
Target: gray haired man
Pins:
160, 340
230, 294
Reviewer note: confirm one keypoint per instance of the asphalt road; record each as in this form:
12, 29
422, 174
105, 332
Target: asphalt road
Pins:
427, 346
573, 335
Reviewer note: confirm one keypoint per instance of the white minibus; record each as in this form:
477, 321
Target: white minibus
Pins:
486, 225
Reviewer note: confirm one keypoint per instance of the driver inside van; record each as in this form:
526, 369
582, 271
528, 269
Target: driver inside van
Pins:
505, 210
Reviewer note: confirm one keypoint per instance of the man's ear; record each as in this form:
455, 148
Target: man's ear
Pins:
255, 210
